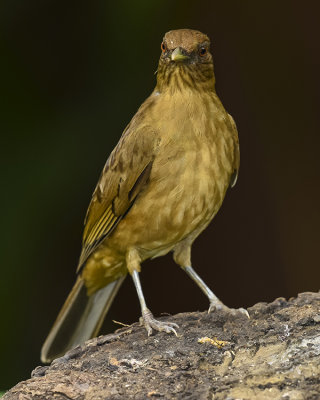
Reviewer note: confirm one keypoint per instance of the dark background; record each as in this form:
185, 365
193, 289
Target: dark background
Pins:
72, 76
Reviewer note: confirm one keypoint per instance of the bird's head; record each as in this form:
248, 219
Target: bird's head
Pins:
185, 61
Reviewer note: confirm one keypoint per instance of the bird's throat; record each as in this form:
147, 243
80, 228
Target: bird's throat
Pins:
182, 76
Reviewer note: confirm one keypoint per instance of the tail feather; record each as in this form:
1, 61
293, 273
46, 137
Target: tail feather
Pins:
80, 319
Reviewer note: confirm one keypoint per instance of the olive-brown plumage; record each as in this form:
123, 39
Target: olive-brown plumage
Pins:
161, 186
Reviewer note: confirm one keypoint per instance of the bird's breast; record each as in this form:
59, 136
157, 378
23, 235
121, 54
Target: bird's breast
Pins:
189, 182
189, 177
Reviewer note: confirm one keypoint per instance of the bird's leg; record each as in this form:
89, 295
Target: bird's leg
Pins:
182, 256
148, 319
215, 303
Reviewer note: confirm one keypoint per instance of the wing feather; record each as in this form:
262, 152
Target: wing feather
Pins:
124, 176
236, 155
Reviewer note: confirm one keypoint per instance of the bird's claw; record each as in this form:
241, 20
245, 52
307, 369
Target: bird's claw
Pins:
150, 323
215, 306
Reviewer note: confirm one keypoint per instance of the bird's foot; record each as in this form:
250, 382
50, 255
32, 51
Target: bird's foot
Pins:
150, 323
216, 306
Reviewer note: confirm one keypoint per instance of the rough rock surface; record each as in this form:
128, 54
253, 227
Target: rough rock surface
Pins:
273, 355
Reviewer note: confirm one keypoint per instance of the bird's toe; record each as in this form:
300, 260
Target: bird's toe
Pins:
214, 306
151, 323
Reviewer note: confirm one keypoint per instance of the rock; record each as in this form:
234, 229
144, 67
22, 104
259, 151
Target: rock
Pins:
273, 355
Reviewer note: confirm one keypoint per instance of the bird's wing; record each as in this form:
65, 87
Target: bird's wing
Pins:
236, 152
125, 174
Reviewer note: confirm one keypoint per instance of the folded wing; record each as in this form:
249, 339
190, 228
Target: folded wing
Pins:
123, 178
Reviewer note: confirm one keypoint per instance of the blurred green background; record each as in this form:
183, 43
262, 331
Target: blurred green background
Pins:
72, 76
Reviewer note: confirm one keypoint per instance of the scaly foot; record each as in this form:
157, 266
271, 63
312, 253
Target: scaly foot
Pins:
150, 323
215, 305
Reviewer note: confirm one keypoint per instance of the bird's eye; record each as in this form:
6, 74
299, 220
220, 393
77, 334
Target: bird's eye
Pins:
163, 47
203, 51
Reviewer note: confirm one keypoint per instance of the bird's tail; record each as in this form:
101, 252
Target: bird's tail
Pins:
80, 319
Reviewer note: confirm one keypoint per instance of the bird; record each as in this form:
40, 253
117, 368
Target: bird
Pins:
160, 188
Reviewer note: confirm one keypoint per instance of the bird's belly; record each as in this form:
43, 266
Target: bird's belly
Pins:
174, 205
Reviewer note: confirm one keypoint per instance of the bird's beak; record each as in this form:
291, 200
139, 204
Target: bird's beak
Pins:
177, 55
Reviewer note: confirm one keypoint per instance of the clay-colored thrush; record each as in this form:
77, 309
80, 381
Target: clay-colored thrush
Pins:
161, 186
